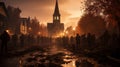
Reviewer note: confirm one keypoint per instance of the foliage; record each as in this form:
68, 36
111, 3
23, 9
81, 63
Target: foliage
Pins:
109, 9
92, 24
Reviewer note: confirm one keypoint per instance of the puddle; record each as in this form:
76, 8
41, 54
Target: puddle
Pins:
55, 58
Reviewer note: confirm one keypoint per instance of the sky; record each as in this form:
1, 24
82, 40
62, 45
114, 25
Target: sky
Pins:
70, 10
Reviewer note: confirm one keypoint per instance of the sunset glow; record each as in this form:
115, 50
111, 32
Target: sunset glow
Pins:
60, 33
70, 10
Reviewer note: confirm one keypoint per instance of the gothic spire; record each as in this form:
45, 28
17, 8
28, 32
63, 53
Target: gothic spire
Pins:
56, 11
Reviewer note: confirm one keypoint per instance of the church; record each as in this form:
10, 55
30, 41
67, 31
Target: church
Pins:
55, 28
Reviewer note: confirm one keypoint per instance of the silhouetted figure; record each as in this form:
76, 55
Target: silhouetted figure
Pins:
83, 40
15, 39
77, 41
114, 40
105, 38
72, 40
4, 41
38, 39
93, 39
89, 39
30, 39
22, 40
65, 40
77, 63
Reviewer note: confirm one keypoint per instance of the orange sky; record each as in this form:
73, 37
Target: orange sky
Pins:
43, 10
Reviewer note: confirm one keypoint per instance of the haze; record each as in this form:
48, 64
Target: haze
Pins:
43, 10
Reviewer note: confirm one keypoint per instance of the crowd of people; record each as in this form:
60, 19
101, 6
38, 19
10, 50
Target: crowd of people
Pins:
89, 42
76, 43
14, 41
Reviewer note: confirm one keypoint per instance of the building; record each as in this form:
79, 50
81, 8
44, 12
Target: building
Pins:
55, 28
3, 17
24, 25
29, 26
13, 22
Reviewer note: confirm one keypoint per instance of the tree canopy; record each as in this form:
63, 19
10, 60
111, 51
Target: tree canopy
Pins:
100, 14
109, 9
92, 24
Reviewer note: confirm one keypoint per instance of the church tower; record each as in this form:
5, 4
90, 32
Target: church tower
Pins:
56, 15
55, 28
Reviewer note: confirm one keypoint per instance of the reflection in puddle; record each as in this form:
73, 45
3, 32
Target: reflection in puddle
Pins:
20, 62
50, 58
36, 58
28, 60
56, 60
70, 64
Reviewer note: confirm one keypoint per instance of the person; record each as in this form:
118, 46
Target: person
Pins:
77, 63
77, 41
105, 38
71, 40
15, 39
22, 40
4, 41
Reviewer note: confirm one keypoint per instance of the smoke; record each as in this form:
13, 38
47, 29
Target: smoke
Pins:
43, 30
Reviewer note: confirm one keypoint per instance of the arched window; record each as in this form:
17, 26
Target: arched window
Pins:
57, 17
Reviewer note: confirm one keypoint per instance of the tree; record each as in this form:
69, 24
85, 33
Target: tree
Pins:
90, 23
70, 30
35, 26
43, 30
109, 9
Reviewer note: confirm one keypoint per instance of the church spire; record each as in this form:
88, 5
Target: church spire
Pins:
56, 15
56, 11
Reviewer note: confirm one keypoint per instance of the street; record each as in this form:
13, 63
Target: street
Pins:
52, 56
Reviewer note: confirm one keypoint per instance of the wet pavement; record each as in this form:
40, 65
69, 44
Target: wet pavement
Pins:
53, 56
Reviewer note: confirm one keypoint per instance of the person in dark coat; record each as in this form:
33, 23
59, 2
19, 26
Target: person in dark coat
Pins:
14, 39
77, 63
22, 40
4, 41
77, 41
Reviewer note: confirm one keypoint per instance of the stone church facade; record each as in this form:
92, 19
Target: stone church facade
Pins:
55, 28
